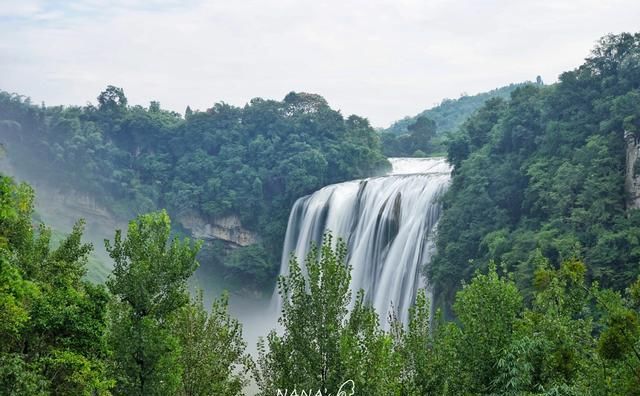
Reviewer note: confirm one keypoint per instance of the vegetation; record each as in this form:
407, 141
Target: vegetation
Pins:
149, 285
252, 162
572, 338
65, 336
212, 353
425, 134
450, 114
52, 322
417, 143
320, 348
537, 251
544, 172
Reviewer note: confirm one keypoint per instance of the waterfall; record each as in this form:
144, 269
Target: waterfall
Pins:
387, 222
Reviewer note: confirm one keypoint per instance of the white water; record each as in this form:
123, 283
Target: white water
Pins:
387, 223
406, 166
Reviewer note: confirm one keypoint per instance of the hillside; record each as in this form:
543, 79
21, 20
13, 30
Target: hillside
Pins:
229, 175
426, 134
451, 113
542, 175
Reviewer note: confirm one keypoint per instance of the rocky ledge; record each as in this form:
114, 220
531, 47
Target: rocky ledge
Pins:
227, 229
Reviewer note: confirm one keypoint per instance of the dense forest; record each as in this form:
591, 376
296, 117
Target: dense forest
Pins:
62, 335
426, 133
143, 334
543, 174
252, 162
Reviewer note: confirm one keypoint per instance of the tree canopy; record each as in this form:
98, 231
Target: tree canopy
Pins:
252, 162
544, 171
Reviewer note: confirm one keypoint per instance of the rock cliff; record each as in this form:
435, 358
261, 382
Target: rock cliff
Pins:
632, 172
227, 229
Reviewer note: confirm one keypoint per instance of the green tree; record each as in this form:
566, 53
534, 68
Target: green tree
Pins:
552, 344
487, 309
545, 170
52, 321
112, 99
618, 344
251, 162
212, 352
149, 285
417, 349
314, 311
368, 353
422, 132
322, 346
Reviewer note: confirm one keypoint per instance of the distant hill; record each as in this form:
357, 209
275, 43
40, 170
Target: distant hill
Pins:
451, 113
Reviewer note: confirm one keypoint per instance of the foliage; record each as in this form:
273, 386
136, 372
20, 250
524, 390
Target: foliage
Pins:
450, 114
212, 350
52, 322
149, 284
487, 309
58, 337
416, 143
253, 162
401, 139
321, 347
314, 309
571, 338
544, 172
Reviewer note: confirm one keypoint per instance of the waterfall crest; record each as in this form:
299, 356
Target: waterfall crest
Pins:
387, 222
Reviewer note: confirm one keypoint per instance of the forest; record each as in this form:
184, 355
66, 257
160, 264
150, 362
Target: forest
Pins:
427, 132
543, 173
143, 334
252, 162
536, 270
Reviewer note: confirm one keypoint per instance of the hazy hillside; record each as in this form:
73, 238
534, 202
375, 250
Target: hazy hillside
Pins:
451, 113
227, 174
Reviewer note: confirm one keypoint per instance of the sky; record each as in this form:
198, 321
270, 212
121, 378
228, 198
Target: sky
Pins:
381, 59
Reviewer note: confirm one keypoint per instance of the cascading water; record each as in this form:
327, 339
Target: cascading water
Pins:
387, 223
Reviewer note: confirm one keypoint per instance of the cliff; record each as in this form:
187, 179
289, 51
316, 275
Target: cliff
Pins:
227, 229
632, 171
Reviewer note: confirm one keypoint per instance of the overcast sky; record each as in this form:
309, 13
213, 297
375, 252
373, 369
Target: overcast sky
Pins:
381, 59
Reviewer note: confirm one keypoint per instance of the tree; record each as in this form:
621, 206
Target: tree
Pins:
322, 346
618, 344
112, 99
149, 285
421, 132
212, 352
51, 320
545, 170
552, 343
251, 162
487, 309
314, 309
368, 353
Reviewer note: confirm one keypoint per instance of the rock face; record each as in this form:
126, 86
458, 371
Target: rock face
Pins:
632, 172
60, 207
227, 229
67, 206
